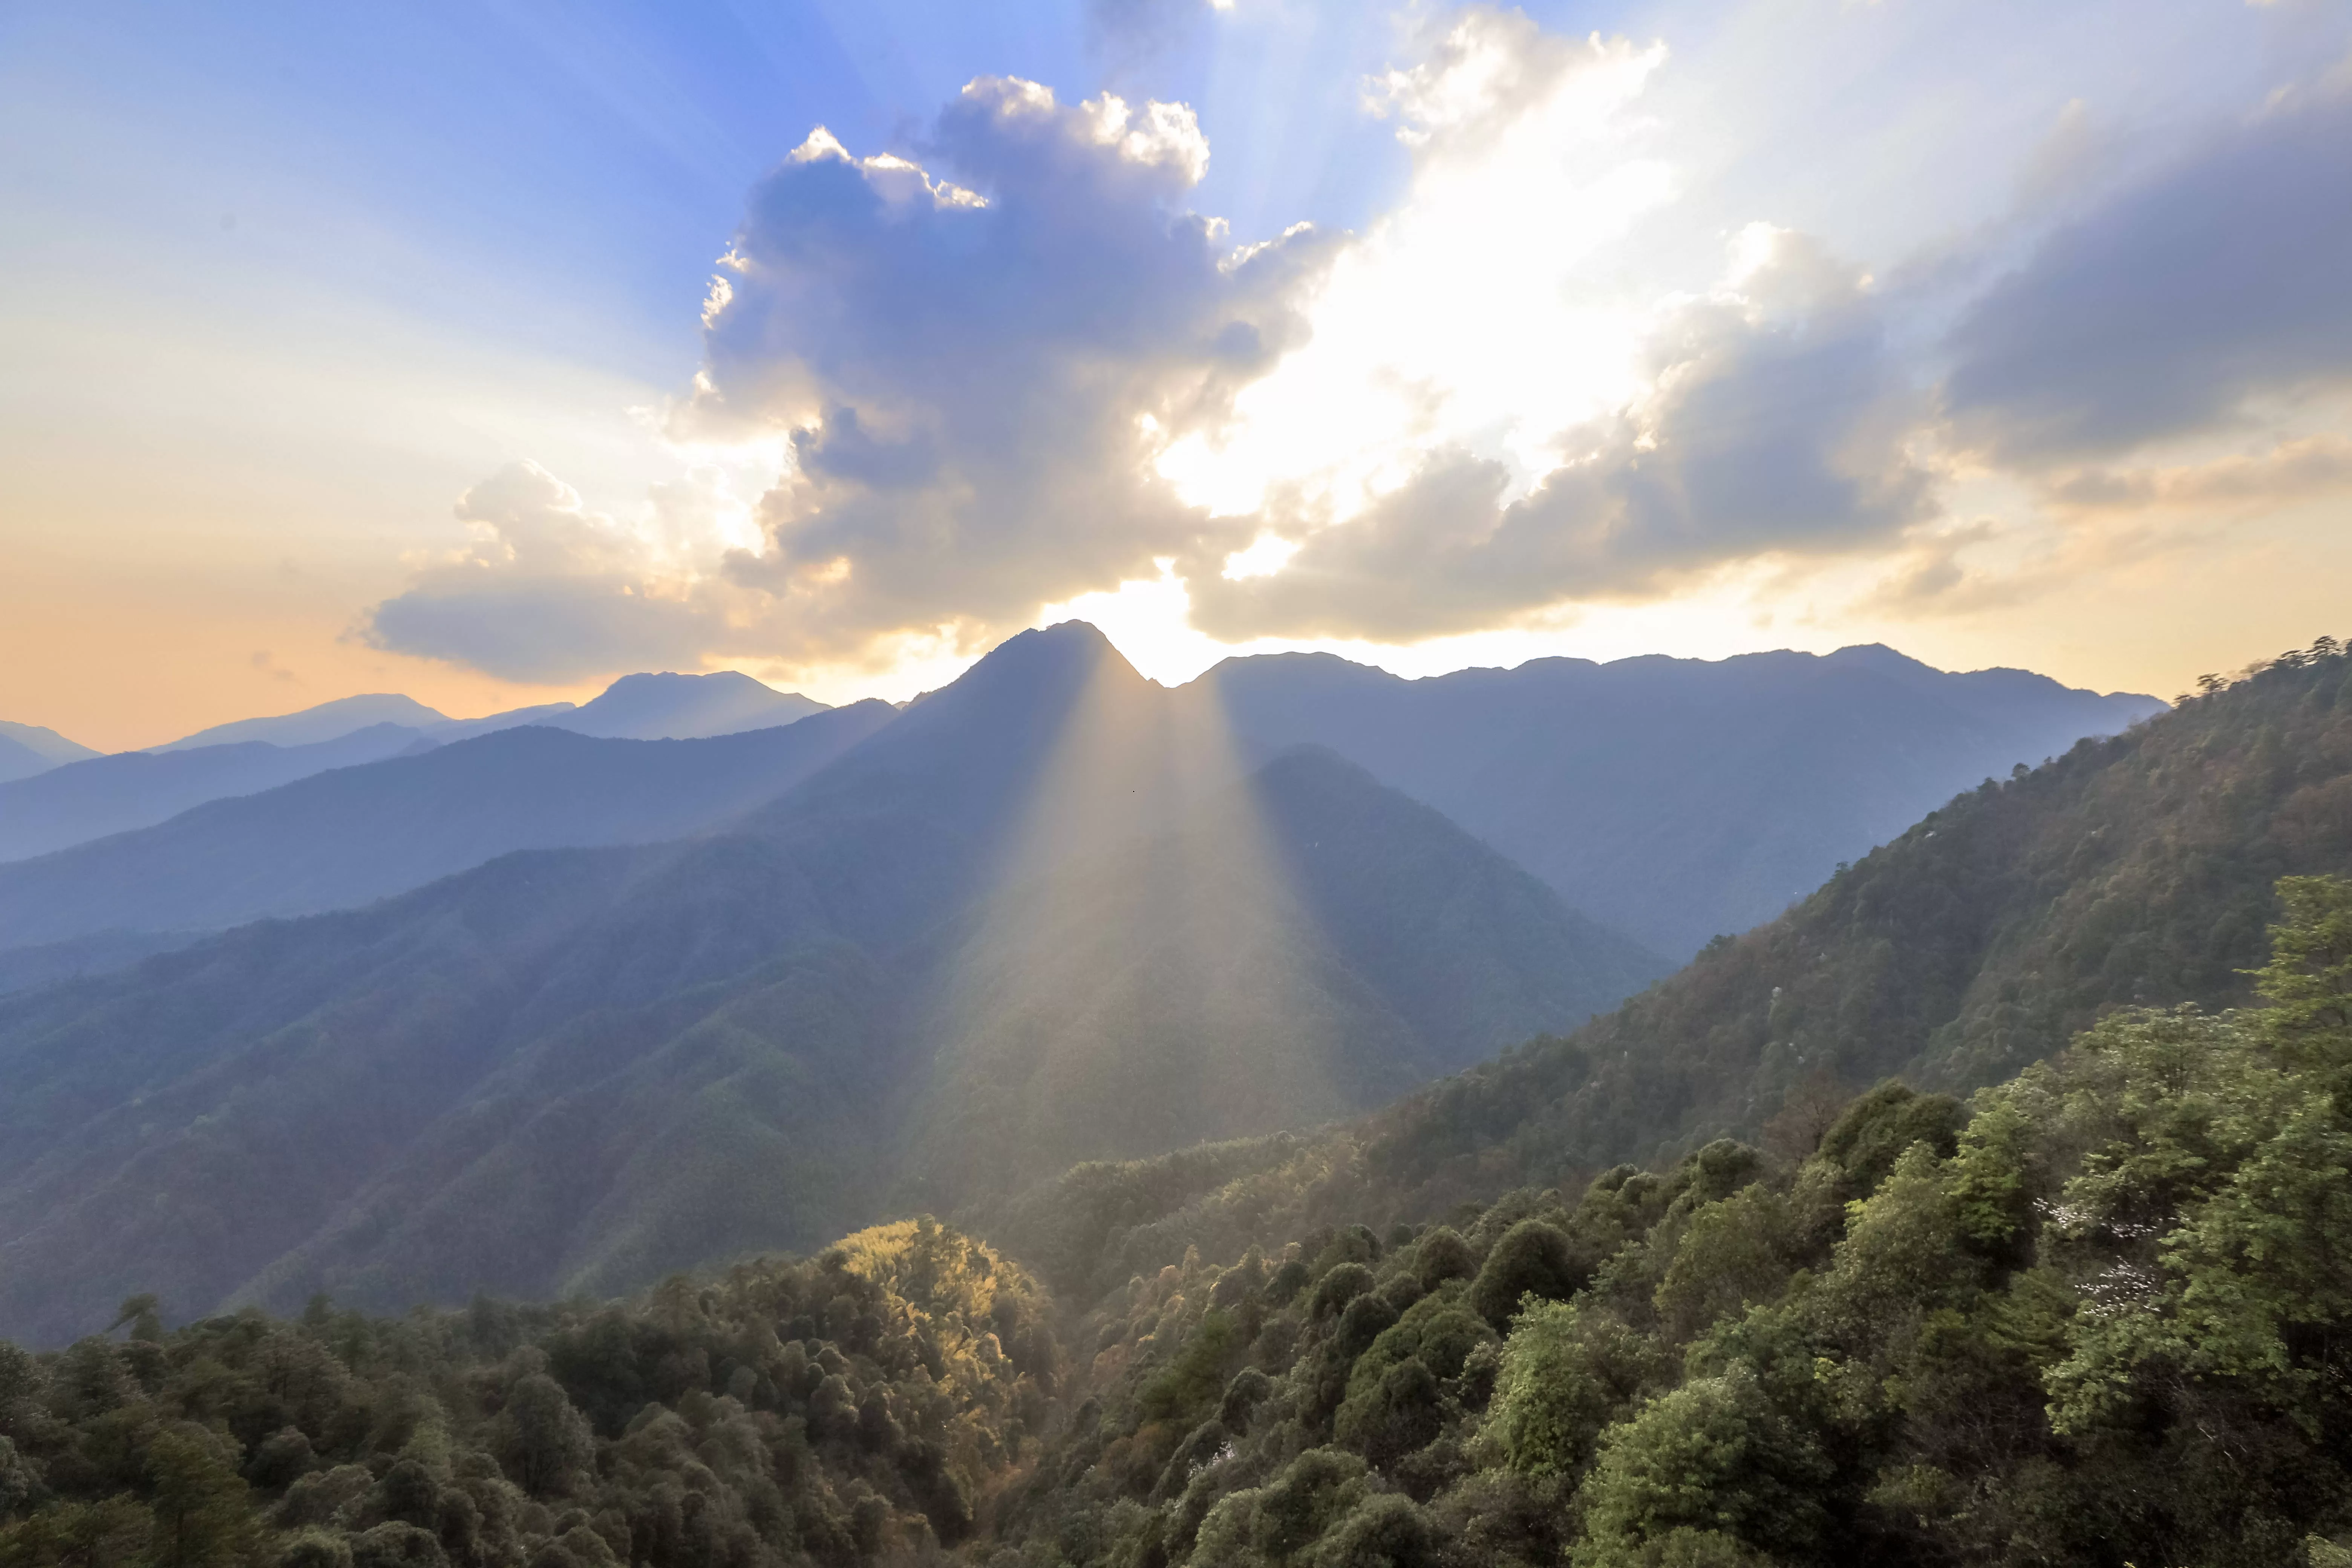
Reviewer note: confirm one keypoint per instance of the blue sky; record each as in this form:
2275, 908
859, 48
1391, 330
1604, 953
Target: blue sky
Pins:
363, 348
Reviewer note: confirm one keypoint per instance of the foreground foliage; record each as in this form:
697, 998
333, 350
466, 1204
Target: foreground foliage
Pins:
855, 1407
2099, 1316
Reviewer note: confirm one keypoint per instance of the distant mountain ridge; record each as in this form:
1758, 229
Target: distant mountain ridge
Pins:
663, 707
108, 795
669, 707
347, 836
81, 801
327, 721
1675, 799
28, 749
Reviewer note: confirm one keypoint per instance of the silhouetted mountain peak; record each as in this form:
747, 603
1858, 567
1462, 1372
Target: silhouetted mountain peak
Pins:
1029, 683
671, 706
1051, 658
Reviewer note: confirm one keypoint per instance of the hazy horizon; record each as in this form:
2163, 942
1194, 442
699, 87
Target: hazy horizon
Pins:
1408, 673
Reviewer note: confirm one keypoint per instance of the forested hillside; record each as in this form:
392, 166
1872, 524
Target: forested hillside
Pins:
2136, 870
2094, 1317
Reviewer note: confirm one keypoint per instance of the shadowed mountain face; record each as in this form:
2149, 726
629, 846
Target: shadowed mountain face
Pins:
582, 1068
1303, 943
1672, 799
345, 837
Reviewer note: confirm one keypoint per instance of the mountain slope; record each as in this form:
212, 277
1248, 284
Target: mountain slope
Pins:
1302, 946
342, 837
27, 749
138, 789
85, 800
18, 761
1673, 799
581, 1069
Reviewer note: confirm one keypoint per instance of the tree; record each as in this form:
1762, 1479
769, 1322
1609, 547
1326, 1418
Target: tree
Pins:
202, 1519
1569, 1371
1532, 1258
1712, 1456
543, 1443
2308, 981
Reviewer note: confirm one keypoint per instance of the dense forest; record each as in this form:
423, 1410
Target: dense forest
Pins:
855, 1407
2095, 1316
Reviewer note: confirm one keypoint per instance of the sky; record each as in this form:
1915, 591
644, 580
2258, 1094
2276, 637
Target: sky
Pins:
486, 352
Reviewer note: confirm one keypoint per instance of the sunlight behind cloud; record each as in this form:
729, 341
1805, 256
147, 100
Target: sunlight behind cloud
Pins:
1462, 319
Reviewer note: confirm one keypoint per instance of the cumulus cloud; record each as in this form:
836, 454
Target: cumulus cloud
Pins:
978, 377
548, 591
1779, 421
2175, 304
974, 363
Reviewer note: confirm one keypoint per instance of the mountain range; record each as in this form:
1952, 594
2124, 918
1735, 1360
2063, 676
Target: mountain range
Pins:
673, 1000
2135, 871
577, 1069
81, 794
354, 835
2087, 1316
1676, 799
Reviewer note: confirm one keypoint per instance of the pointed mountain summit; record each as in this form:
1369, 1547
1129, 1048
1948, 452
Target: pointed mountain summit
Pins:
968, 754
672, 707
